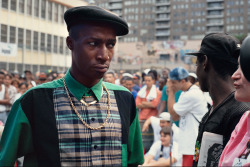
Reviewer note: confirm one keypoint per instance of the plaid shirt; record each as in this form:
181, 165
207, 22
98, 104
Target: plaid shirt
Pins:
80, 146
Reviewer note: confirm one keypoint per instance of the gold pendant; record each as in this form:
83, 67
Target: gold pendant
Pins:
87, 104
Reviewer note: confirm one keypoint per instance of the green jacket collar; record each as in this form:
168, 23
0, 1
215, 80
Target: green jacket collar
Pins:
79, 90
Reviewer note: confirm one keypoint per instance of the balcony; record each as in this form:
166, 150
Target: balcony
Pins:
161, 34
221, 23
215, 16
163, 26
215, 8
115, 1
163, 19
162, 11
215, 0
163, 4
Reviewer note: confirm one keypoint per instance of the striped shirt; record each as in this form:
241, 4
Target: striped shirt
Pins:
80, 146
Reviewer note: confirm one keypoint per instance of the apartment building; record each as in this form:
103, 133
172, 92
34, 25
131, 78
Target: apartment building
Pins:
33, 34
180, 19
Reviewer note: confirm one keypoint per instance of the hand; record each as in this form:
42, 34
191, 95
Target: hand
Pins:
171, 87
145, 127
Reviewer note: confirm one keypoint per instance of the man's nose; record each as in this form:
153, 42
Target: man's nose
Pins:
103, 53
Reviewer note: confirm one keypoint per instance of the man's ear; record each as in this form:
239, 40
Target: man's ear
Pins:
70, 42
205, 63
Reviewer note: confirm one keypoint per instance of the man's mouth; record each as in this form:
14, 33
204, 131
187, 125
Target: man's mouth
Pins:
101, 68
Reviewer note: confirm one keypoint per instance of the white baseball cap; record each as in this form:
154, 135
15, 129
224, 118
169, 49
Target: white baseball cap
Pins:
127, 75
164, 116
193, 75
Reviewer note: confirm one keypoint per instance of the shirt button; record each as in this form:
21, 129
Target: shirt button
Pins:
92, 119
89, 91
95, 146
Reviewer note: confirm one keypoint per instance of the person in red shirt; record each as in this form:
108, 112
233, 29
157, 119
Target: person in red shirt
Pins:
148, 98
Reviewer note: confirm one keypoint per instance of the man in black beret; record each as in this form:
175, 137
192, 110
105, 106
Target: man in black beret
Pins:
216, 62
78, 120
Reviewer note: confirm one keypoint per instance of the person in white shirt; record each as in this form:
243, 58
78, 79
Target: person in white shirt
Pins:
157, 124
189, 109
160, 151
12, 91
4, 99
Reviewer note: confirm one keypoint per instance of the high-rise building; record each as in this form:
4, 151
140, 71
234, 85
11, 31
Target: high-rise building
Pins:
33, 34
180, 19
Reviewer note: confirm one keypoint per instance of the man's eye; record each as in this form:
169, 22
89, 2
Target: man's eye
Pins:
111, 45
92, 43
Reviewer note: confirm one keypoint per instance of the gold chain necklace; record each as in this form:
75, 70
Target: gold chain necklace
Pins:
79, 116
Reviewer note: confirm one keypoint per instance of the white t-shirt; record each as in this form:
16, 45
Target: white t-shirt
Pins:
155, 123
155, 150
2, 93
191, 103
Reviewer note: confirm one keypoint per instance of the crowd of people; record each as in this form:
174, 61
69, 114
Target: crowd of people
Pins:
92, 116
158, 92
13, 85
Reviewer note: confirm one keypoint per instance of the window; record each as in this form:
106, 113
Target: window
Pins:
29, 7
42, 42
55, 44
62, 13
28, 39
66, 50
12, 34
35, 40
4, 32
20, 37
48, 43
21, 6
5, 4
61, 45
55, 12
13, 5
43, 9
36, 8
50, 11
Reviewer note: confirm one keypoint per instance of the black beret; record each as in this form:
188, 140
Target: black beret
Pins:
81, 14
245, 58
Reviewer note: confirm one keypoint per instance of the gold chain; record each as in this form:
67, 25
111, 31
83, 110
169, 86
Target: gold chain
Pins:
80, 117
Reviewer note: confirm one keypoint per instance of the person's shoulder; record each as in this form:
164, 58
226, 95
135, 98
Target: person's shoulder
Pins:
134, 92
194, 92
164, 88
48, 85
234, 107
158, 90
12, 87
52, 84
115, 87
136, 86
157, 143
194, 88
